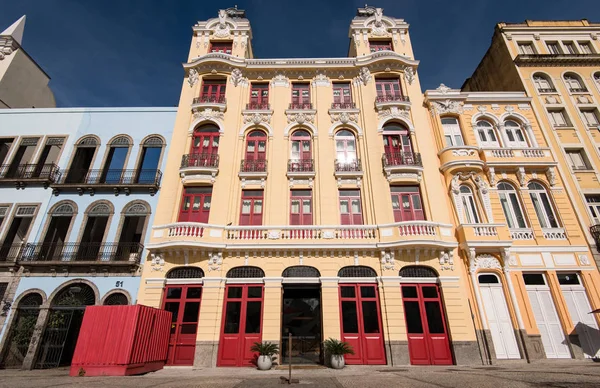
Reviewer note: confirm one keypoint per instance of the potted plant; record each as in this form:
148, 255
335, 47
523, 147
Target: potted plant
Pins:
266, 351
336, 350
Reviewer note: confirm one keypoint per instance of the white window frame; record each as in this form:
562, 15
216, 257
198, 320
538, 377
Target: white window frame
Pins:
593, 207
522, 45
570, 47
452, 133
514, 131
580, 163
469, 206
574, 83
551, 51
588, 47
510, 196
483, 129
539, 195
588, 114
542, 82
553, 114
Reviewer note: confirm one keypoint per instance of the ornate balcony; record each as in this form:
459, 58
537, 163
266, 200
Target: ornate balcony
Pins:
211, 101
253, 172
199, 167
595, 231
108, 180
343, 105
397, 100
521, 233
402, 165
490, 236
301, 171
256, 105
299, 105
125, 254
554, 233
524, 157
459, 157
9, 253
23, 174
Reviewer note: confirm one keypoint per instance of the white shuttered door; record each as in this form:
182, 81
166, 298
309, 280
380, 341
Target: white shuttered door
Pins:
584, 322
500, 325
553, 338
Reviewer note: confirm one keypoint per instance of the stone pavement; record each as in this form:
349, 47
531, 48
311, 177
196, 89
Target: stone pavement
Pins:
559, 374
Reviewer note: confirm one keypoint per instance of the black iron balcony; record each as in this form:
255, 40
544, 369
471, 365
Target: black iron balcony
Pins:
300, 105
259, 165
578, 90
65, 253
40, 173
301, 165
343, 105
547, 90
258, 105
108, 179
210, 99
392, 159
595, 230
353, 165
391, 97
210, 160
9, 253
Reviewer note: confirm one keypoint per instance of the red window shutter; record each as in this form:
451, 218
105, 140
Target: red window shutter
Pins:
396, 207
205, 208
306, 208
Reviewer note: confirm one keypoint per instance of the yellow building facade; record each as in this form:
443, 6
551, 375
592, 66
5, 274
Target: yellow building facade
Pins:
318, 198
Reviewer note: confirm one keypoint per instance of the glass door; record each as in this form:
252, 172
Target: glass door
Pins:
183, 301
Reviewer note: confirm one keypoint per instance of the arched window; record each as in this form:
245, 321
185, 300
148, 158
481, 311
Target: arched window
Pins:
116, 299
469, 208
301, 153
357, 271
488, 278
597, 77
301, 271
133, 229
345, 148
54, 240
148, 172
256, 152
21, 330
514, 134
185, 273
94, 231
511, 206
75, 295
245, 272
574, 83
543, 84
114, 165
417, 271
397, 145
82, 160
452, 132
542, 205
205, 141
487, 134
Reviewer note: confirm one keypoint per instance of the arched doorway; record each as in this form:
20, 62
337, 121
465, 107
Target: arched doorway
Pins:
301, 315
21, 331
64, 322
361, 315
183, 299
428, 342
242, 316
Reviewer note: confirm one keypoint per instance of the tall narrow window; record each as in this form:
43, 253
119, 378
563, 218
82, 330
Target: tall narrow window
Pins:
134, 223
82, 161
5, 145
149, 162
22, 157
558, 118
301, 154
514, 134
56, 233
17, 232
114, 166
259, 96
301, 209
593, 202
350, 207
452, 132
397, 145
487, 134
3, 213
586, 48
469, 208
49, 156
542, 205
388, 89
221, 47
93, 232
345, 148
256, 152
574, 83
543, 84
407, 204
301, 96
526, 48
195, 204
577, 159
380, 45
570, 47
553, 48
590, 116
511, 206
342, 95
213, 90
205, 147
252, 207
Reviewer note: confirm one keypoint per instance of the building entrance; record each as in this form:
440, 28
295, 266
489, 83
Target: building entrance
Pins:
301, 317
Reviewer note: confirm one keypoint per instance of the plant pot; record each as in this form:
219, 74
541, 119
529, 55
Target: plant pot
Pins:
337, 361
264, 362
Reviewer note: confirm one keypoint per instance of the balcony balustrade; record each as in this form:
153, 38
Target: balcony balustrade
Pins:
518, 156
343, 105
200, 160
251, 165
9, 253
554, 233
392, 159
484, 235
350, 166
108, 179
210, 99
521, 233
301, 166
391, 97
300, 105
29, 173
65, 253
258, 105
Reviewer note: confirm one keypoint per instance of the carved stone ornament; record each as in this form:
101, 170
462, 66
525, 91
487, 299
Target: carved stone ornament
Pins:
551, 176
300, 118
522, 176
387, 260
492, 176
481, 185
364, 76
192, 77
237, 78
584, 260
157, 262
280, 80
344, 117
208, 114
394, 112
448, 106
320, 80
222, 30
378, 27
409, 75
215, 260
463, 152
487, 262
257, 118
446, 260
482, 109
443, 89
509, 109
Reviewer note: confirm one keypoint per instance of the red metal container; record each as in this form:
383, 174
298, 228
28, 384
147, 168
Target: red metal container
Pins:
121, 341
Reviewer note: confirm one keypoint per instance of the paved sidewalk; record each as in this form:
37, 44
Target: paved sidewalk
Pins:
563, 374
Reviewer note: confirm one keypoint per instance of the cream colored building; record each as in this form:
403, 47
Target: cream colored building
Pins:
303, 197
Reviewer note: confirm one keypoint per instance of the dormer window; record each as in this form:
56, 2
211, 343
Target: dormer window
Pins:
221, 47
380, 45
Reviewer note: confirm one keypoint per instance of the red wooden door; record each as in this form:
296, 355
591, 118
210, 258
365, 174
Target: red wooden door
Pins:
361, 323
300, 96
350, 207
195, 204
256, 152
205, 143
342, 95
183, 301
406, 203
252, 205
259, 96
241, 324
428, 342
301, 207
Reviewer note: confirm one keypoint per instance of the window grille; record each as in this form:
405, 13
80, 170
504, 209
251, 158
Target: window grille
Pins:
31, 300
137, 208
101, 209
121, 140
88, 141
246, 272
358, 271
75, 295
30, 141
57, 141
3, 211
25, 210
186, 273
153, 141
65, 209
301, 271
416, 271
116, 299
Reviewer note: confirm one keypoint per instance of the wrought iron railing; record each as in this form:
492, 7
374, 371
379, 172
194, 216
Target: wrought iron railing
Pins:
343, 105
401, 159
578, 90
76, 252
49, 172
301, 165
348, 165
547, 90
259, 165
200, 160
258, 105
595, 230
108, 177
300, 105
210, 98
10, 252
392, 97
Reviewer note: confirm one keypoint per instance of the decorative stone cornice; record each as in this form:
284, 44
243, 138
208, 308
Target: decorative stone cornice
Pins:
394, 112
448, 106
257, 116
7, 46
207, 114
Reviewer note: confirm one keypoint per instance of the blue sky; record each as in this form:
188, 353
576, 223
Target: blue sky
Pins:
129, 52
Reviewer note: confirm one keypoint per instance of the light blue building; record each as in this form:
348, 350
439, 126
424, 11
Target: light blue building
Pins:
77, 191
